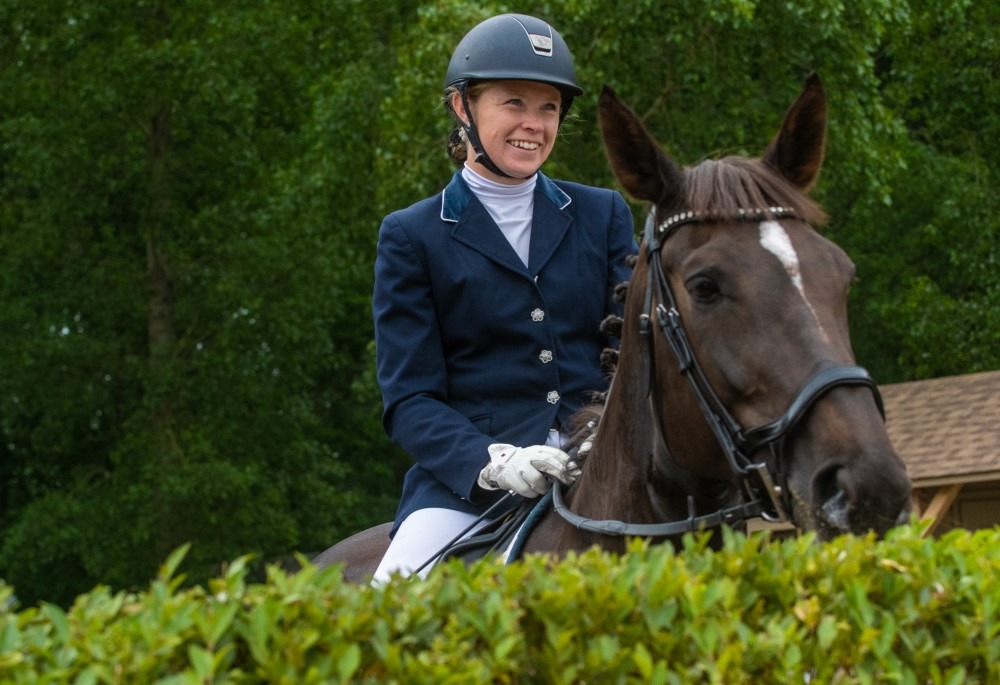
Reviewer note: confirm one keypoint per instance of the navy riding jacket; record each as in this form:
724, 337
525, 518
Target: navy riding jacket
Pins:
474, 348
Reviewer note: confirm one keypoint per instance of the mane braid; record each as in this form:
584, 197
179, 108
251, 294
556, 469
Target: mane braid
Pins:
582, 428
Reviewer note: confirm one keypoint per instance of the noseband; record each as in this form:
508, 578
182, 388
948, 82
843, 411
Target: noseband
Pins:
765, 486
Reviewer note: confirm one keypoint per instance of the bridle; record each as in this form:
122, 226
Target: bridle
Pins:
766, 490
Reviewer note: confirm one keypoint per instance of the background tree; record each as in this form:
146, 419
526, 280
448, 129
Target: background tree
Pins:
184, 193
189, 202
929, 302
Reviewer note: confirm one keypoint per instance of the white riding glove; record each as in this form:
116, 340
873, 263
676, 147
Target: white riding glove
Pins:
523, 469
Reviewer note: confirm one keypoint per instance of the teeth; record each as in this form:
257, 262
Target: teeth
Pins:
525, 145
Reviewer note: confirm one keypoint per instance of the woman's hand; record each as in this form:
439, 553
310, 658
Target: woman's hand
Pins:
524, 470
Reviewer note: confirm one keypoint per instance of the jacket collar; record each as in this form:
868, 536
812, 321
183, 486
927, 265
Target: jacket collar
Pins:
549, 224
457, 195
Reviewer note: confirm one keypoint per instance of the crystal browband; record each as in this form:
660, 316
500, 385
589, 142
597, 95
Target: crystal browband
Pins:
668, 225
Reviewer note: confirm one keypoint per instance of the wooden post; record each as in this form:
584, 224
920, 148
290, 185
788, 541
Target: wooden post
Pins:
943, 499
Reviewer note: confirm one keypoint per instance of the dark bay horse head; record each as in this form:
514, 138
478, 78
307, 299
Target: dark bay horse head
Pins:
736, 376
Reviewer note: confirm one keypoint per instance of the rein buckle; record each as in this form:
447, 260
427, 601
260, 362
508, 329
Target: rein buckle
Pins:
775, 494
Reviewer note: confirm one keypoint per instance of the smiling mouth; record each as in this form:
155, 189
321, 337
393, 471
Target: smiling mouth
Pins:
524, 145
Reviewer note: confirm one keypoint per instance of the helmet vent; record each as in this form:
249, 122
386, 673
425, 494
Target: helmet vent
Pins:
542, 45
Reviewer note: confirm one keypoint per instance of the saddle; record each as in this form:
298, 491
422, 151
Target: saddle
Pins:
504, 535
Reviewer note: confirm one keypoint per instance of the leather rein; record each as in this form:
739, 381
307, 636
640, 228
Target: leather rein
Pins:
766, 491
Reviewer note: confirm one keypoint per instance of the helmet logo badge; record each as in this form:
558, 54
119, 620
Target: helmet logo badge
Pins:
542, 45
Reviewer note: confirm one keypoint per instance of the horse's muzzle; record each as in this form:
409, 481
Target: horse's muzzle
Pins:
847, 500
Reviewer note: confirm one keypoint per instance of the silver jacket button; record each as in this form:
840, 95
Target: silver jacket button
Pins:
537, 315
552, 397
545, 356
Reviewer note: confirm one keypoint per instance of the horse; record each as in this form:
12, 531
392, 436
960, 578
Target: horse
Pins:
735, 393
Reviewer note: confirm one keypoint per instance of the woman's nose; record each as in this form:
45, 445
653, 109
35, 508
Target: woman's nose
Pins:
532, 122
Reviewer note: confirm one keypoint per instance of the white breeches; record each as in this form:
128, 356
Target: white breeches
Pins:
421, 536
424, 533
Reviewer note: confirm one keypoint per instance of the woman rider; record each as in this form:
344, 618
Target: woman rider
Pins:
489, 296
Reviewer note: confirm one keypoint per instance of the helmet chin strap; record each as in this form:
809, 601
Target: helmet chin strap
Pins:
472, 134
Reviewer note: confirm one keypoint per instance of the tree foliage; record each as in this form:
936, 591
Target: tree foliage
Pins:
189, 198
186, 238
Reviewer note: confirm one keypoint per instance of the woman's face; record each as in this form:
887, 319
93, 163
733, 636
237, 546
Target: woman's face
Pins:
517, 123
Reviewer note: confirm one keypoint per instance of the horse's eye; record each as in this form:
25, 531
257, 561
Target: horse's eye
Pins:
704, 290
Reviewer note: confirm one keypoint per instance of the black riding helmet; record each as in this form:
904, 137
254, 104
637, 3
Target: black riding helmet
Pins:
510, 46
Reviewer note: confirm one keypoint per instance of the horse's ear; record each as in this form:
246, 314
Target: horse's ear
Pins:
636, 159
796, 152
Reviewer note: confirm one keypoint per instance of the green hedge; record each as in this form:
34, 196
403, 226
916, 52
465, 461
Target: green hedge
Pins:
902, 610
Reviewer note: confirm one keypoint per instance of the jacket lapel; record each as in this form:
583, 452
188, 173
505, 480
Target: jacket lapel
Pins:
477, 230
549, 225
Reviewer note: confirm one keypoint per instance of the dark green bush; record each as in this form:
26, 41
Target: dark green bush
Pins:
856, 610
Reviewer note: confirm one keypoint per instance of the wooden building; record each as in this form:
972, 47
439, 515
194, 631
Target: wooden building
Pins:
948, 432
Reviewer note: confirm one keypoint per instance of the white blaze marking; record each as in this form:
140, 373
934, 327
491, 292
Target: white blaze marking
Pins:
775, 240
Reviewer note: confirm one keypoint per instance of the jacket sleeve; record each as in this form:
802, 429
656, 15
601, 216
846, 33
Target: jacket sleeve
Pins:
412, 371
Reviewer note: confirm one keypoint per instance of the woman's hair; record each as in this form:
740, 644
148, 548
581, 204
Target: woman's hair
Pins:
458, 146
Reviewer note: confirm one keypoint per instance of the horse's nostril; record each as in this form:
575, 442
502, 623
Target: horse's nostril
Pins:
832, 495
829, 484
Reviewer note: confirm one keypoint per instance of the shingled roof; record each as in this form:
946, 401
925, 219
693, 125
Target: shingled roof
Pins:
946, 429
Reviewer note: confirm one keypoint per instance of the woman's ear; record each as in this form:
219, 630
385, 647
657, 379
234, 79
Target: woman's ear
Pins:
459, 108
